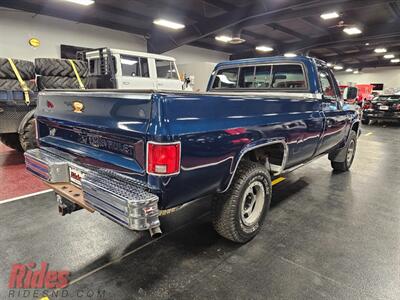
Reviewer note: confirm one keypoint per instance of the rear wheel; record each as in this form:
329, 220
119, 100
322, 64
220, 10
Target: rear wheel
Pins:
240, 212
342, 166
27, 138
11, 140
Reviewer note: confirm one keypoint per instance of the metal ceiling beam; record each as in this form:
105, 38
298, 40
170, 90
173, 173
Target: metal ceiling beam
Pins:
289, 31
314, 24
247, 16
395, 9
356, 55
220, 4
84, 16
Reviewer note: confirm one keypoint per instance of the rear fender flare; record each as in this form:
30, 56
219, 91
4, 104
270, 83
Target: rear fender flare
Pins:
26, 118
253, 146
339, 155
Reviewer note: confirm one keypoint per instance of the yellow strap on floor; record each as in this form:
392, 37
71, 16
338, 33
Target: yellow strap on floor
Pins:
76, 74
21, 82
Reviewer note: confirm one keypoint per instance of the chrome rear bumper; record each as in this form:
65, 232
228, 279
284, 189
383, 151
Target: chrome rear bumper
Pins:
120, 198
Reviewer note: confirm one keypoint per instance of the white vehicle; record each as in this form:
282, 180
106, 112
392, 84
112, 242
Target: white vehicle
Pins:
132, 70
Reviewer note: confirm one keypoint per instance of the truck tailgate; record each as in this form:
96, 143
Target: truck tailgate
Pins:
106, 127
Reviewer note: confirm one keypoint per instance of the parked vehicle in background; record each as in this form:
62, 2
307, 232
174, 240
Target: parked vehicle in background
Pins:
364, 93
18, 95
122, 69
382, 108
135, 155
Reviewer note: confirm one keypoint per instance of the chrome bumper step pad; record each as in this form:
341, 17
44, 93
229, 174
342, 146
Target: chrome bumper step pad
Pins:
120, 198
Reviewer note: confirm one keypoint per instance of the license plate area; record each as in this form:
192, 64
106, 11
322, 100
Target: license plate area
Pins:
384, 107
76, 175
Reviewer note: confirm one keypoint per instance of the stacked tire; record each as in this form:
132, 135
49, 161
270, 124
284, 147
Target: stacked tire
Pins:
8, 79
59, 74
25, 138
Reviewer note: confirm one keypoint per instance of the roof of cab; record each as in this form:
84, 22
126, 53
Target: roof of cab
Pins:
269, 59
92, 54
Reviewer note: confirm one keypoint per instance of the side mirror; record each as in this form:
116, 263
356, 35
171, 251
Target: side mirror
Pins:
350, 93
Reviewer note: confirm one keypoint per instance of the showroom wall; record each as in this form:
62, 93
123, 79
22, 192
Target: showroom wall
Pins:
16, 28
389, 76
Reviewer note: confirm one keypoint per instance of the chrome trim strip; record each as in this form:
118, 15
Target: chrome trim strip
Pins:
284, 159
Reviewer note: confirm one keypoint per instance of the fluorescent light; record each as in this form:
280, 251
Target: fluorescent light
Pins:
356, 72
396, 60
223, 38
380, 50
168, 24
289, 54
264, 48
366, 44
349, 70
388, 56
352, 30
329, 65
337, 67
81, 2
330, 15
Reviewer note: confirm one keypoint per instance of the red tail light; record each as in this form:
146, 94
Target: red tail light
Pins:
367, 105
163, 158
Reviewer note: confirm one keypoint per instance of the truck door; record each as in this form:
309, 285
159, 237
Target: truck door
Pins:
167, 75
134, 73
336, 118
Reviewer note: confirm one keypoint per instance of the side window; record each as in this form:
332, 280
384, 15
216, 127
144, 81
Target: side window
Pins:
130, 65
226, 78
166, 69
144, 66
288, 77
262, 77
246, 77
326, 85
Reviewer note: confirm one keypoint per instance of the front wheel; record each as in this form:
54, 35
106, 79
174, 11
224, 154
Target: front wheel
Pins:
240, 212
342, 166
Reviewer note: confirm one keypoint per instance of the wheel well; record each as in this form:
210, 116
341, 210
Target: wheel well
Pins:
355, 126
272, 156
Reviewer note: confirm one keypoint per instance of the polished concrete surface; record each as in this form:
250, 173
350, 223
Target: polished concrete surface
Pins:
327, 236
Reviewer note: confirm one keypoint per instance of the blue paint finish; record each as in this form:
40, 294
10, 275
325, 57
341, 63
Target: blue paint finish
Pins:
215, 129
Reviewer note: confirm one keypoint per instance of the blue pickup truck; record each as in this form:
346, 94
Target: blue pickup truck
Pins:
134, 156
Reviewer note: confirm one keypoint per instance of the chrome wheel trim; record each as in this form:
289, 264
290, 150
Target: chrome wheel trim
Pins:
350, 152
252, 203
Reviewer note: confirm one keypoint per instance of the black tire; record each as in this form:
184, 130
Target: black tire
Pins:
56, 82
60, 67
228, 208
27, 137
11, 140
343, 166
365, 121
13, 85
26, 69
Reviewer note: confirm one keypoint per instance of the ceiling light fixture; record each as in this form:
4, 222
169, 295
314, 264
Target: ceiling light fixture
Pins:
337, 67
356, 72
352, 30
388, 56
396, 60
380, 50
289, 54
366, 44
168, 24
330, 15
349, 70
81, 2
223, 38
329, 65
264, 48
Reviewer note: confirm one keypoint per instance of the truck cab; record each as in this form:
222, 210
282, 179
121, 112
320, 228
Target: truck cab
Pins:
133, 70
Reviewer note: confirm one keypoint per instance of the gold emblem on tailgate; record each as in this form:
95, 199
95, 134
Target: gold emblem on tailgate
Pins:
78, 107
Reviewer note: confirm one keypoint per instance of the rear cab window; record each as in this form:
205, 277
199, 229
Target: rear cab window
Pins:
134, 66
285, 76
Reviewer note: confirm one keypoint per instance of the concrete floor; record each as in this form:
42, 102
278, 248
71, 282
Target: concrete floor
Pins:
328, 236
